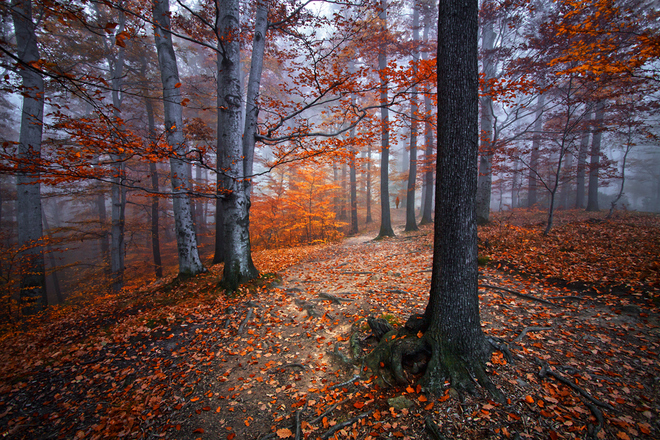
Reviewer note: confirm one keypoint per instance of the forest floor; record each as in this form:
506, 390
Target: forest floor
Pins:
180, 360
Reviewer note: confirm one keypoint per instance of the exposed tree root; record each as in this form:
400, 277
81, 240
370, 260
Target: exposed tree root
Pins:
546, 371
521, 295
243, 325
342, 425
530, 329
433, 429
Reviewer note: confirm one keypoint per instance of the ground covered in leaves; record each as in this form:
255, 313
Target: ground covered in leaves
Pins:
180, 360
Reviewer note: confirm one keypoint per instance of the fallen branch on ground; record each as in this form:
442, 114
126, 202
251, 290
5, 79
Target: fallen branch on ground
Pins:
241, 329
334, 299
546, 371
339, 426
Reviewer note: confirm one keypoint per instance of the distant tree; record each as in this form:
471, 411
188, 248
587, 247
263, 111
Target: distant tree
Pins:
29, 212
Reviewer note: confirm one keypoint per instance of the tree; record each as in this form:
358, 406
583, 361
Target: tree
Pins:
30, 230
385, 219
594, 167
487, 118
454, 333
411, 223
189, 261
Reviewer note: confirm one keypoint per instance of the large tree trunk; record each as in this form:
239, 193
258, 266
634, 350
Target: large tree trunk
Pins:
155, 214
582, 163
532, 198
411, 223
427, 193
485, 180
594, 167
189, 261
454, 333
30, 230
353, 172
236, 155
385, 219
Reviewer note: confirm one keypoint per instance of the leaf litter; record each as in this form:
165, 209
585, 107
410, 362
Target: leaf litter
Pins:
183, 361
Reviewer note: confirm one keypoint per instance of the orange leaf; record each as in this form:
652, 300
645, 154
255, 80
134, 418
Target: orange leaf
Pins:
429, 406
198, 431
358, 405
410, 389
423, 398
194, 399
177, 85
284, 433
529, 399
231, 436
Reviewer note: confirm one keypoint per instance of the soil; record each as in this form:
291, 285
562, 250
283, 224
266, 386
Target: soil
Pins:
277, 359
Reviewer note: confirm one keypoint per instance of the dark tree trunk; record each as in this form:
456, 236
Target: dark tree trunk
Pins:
454, 333
534, 159
155, 215
427, 193
385, 219
594, 167
411, 223
582, 164
33, 297
369, 218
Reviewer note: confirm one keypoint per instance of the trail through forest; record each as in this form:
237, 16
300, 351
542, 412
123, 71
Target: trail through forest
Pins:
179, 360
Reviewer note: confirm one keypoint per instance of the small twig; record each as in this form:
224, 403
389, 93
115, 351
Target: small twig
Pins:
424, 271
339, 426
352, 272
397, 291
241, 328
348, 382
546, 371
530, 329
522, 295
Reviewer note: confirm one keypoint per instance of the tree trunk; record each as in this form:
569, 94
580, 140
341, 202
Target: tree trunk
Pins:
485, 180
582, 163
33, 297
411, 223
353, 172
189, 261
236, 155
155, 214
427, 194
534, 159
594, 167
103, 218
454, 333
564, 193
385, 220
368, 203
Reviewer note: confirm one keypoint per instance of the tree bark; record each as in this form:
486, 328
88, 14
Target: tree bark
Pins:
427, 193
454, 333
411, 223
155, 213
189, 261
385, 219
485, 180
33, 297
236, 156
594, 167
582, 163
534, 159
368, 203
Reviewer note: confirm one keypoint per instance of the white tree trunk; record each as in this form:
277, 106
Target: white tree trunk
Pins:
186, 240
30, 230
485, 181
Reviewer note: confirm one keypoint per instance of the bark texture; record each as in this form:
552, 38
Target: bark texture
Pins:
532, 196
594, 167
411, 223
454, 333
385, 219
30, 230
186, 240
582, 164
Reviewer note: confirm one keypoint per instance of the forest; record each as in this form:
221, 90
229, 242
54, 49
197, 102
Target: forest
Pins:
330, 219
